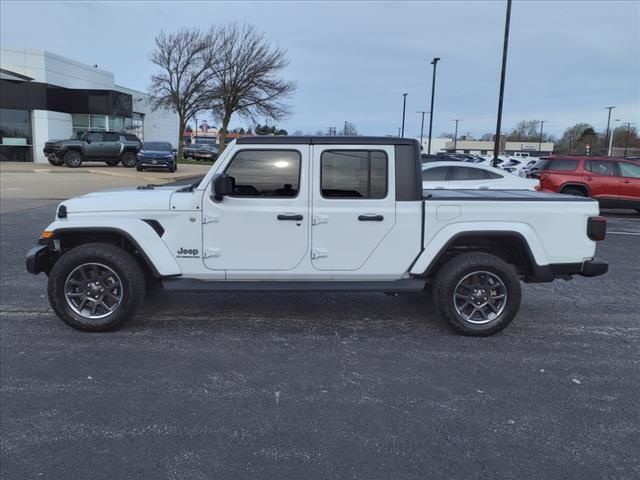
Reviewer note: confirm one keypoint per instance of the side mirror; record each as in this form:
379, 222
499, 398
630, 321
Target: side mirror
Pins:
221, 186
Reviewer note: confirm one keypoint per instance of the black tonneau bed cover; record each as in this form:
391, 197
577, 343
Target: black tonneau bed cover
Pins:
500, 195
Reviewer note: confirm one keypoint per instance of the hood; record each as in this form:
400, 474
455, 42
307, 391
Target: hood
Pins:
123, 199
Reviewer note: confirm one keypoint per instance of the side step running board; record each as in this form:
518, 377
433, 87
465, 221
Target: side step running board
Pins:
189, 284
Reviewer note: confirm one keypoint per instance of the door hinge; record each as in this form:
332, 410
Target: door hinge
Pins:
318, 219
319, 253
210, 219
211, 253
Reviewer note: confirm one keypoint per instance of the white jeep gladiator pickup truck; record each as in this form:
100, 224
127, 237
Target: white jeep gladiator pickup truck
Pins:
315, 213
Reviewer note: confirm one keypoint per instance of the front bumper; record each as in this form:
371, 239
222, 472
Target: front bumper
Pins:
154, 163
40, 259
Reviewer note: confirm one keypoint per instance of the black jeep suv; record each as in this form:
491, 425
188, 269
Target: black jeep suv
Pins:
94, 146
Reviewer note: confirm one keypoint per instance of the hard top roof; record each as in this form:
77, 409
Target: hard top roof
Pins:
291, 140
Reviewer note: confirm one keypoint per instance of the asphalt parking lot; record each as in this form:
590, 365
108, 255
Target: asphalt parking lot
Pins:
321, 385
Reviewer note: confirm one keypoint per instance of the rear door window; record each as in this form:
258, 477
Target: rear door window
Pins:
111, 137
438, 174
467, 173
601, 167
562, 164
354, 174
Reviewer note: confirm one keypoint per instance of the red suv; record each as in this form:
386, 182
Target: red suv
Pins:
615, 183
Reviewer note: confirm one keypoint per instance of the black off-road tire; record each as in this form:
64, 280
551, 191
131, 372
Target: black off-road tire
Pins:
452, 272
575, 191
128, 159
112, 162
172, 169
72, 159
121, 262
55, 161
139, 169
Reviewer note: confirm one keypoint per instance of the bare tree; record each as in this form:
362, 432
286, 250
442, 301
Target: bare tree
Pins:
349, 129
249, 85
188, 61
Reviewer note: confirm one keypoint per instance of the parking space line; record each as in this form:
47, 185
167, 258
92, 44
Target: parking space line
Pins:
624, 233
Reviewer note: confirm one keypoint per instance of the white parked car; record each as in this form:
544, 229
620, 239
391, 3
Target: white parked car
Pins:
463, 175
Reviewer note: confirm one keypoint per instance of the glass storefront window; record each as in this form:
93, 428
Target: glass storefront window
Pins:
98, 122
15, 135
116, 124
135, 125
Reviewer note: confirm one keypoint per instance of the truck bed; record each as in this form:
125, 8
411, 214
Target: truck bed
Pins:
500, 195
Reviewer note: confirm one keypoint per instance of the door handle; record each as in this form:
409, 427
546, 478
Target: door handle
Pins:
589, 179
295, 218
625, 181
370, 218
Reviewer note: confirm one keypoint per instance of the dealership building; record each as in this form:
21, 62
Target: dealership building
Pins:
45, 96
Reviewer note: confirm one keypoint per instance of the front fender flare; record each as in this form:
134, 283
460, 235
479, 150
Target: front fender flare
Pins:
141, 235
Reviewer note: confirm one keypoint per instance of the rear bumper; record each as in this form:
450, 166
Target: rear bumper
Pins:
40, 259
548, 273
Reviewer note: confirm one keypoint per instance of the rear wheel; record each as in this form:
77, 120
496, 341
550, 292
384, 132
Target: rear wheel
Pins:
575, 191
477, 294
128, 159
112, 162
96, 287
73, 159
55, 161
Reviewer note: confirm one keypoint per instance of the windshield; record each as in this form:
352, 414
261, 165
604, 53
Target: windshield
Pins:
161, 146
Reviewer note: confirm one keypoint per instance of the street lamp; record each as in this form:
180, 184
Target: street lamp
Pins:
455, 135
610, 147
421, 126
626, 143
404, 108
540, 139
505, 47
606, 142
434, 62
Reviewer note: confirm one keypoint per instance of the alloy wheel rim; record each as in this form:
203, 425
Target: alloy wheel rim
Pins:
480, 297
93, 290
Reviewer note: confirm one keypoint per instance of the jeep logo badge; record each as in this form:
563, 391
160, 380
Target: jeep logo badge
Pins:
188, 253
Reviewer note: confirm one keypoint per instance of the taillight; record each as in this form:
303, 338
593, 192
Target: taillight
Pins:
597, 228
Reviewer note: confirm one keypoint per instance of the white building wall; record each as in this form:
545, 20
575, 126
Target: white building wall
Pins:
437, 144
47, 67
46, 125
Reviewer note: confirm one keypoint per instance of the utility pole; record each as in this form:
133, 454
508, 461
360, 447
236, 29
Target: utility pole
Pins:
404, 107
626, 143
610, 149
421, 126
505, 47
608, 125
434, 62
455, 135
344, 132
540, 139
196, 130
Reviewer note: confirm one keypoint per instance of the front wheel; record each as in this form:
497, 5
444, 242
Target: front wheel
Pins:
72, 159
477, 294
128, 159
96, 287
55, 161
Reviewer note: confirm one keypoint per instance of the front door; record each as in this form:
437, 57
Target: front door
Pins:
629, 182
602, 178
353, 206
263, 224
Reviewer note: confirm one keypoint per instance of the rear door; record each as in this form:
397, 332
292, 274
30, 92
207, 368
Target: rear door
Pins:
353, 206
111, 145
630, 183
602, 178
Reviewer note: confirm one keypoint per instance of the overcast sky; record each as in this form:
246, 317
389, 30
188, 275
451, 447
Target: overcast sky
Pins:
352, 61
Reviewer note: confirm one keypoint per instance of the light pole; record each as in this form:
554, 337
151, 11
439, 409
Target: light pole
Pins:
606, 142
404, 108
455, 135
540, 139
421, 126
626, 143
610, 147
505, 47
434, 62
